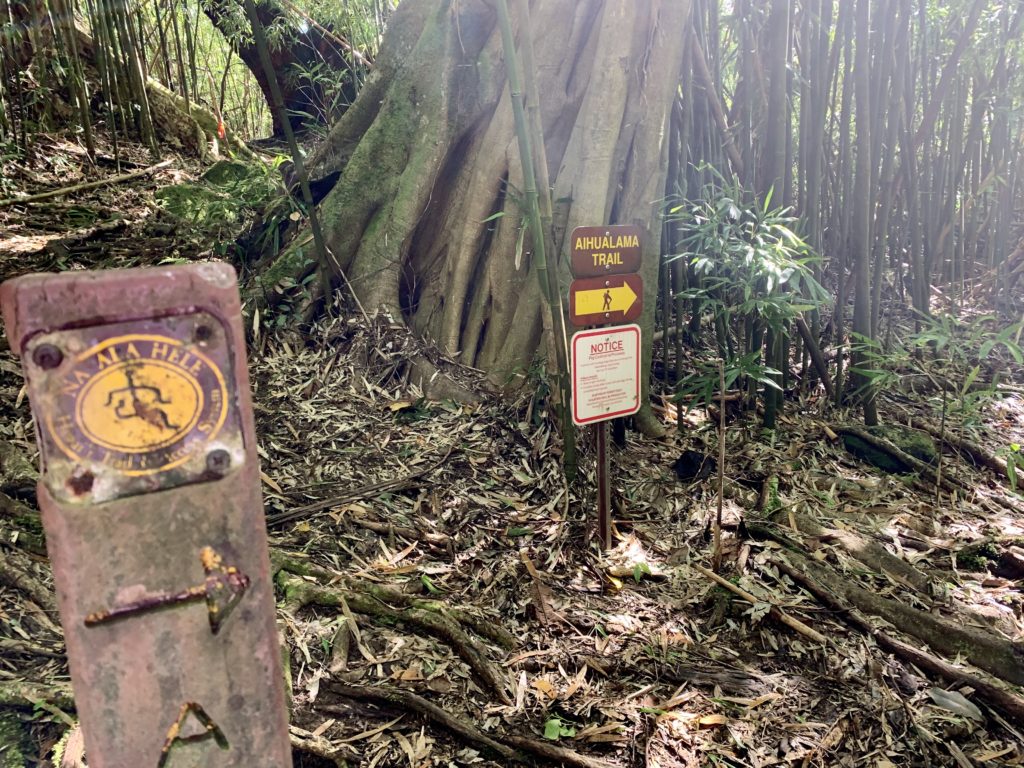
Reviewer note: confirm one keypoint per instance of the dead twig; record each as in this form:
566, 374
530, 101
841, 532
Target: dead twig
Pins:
86, 186
365, 491
777, 613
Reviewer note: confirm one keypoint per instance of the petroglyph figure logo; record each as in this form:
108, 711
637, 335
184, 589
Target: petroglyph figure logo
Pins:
139, 404
140, 401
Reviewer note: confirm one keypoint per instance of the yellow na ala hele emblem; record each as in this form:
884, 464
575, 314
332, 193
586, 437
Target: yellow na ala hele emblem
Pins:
139, 404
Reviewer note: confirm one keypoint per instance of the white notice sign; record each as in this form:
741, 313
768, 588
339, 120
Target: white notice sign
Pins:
605, 373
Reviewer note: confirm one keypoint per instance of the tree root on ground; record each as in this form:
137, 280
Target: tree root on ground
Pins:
516, 749
1000, 657
870, 553
21, 695
26, 524
17, 473
16, 573
430, 616
978, 454
886, 446
994, 693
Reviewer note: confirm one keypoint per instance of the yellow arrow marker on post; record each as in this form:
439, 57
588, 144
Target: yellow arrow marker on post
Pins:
618, 299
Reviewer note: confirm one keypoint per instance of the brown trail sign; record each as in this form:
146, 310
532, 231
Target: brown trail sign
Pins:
613, 249
150, 499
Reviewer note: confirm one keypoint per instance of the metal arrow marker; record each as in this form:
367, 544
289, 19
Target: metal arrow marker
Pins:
222, 588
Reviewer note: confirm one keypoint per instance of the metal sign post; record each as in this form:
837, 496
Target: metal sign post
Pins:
150, 499
605, 363
605, 385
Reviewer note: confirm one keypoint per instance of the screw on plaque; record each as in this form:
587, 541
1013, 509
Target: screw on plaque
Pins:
218, 461
203, 333
47, 356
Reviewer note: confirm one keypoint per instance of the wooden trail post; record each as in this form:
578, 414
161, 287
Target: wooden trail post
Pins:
607, 291
150, 499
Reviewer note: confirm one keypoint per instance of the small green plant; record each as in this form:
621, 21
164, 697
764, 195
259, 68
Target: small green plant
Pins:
753, 275
950, 354
703, 383
555, 729
1014, 458
227, 193
640, 570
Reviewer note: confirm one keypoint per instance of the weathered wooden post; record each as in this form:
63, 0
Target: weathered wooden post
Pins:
151, 503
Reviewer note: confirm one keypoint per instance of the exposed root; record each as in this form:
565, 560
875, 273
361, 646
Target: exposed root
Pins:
515, 749
992, 691
299, 593
985, 650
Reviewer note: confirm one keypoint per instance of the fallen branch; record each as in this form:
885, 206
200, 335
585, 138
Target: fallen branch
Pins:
880, 443
357, 494
28, 695
995, 694
389, 529
14, 573
777, 613
299, 593
16, 645
509, 747
318, 746
85, 186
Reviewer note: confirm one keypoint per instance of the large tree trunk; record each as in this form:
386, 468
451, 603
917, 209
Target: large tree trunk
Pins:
307, 100
428, 156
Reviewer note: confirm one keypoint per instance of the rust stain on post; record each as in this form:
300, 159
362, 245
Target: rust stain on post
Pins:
150, 499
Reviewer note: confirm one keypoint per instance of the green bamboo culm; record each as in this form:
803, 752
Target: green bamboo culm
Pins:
547, 272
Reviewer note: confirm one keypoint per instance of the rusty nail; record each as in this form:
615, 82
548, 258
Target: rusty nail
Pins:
47, 356
218, 461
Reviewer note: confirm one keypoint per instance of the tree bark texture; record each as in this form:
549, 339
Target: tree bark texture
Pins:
305, 51
427, 214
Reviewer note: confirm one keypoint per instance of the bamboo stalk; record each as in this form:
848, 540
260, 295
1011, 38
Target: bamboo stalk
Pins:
83, 187
546, 274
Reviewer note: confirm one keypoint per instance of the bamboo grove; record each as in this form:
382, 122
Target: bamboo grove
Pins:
890, 131
98, 57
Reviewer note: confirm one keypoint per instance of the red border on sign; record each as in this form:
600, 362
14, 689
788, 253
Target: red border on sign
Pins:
639, 354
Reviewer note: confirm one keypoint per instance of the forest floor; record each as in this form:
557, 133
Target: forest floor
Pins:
632, 658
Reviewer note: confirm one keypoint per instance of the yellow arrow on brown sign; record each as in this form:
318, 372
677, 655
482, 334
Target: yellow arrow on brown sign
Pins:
603, 300
618, 299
